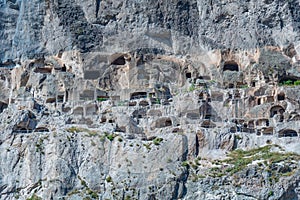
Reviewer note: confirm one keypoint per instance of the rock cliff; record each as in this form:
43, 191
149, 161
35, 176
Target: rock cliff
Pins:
149, 100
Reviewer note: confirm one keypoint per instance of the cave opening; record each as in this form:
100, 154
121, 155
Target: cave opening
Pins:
138, 95
51, 100
144, 103
188, 75
3, 106
276, 110
41, 129
64, 68
231, 86
288, 80
288, 133
281, 97
119, 61
231, 66
163, 122
60, 98
168, 122
97, 7
208, 124
258, 101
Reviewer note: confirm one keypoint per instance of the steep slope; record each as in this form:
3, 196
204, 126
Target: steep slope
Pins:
149, 99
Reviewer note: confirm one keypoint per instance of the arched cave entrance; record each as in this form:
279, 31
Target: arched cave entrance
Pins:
281, 96
276, 110
231, 66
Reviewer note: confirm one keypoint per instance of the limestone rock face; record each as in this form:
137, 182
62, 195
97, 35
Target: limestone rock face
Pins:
129, 99
36, 28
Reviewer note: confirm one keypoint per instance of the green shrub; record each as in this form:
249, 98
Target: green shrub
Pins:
244, 86
185, 164
73, 192
192, 87
74, 130
108, 179
201, 176
110, 137
288, 82
83, 183
148, 146
240, 159
102, 99
127, 197
297, 82
93, 194
238, 137
271, 193
157, 141
83, 130
157, 101
34, 197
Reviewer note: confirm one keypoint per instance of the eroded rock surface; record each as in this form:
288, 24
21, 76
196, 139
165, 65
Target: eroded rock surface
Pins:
149, 100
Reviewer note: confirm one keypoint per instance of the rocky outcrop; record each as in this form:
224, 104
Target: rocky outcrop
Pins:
36, 28
149, 100
166, 134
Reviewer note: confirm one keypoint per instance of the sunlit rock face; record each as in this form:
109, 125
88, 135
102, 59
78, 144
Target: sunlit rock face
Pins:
36, 28
149, 99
